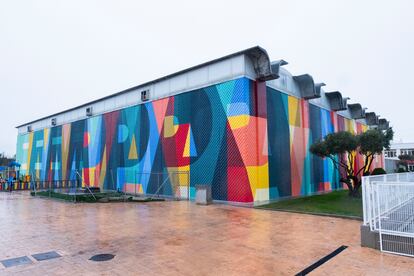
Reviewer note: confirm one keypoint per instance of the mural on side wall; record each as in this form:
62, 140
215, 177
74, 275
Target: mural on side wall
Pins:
250, 142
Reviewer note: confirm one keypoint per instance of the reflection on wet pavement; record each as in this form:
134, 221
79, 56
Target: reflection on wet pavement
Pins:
180, 238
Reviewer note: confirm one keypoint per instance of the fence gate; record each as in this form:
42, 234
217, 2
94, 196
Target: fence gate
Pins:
173, 184
395, 212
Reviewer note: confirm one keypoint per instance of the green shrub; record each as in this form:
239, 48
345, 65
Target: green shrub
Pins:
378, 171
401, 170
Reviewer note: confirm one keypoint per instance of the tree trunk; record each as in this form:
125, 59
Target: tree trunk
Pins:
353, 184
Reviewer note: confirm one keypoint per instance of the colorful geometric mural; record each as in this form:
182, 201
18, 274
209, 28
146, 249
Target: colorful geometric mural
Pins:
249, 141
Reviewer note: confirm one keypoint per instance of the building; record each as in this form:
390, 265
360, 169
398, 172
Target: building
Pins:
240, 123
397, 149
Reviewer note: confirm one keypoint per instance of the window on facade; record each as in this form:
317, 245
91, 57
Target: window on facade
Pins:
407, 152
390, 153
144, 95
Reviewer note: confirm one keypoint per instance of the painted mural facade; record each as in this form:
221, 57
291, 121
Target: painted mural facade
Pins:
249, 141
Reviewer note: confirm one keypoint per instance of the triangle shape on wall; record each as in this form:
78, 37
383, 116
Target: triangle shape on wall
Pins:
133, 155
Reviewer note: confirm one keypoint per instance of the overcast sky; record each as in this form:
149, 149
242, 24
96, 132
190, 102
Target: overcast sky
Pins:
58, 54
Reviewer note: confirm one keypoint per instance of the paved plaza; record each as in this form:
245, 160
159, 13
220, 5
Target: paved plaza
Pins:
180, 238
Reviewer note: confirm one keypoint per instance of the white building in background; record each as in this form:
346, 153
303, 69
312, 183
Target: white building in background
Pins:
397, 149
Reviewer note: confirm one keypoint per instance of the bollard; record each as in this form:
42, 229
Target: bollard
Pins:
203, 194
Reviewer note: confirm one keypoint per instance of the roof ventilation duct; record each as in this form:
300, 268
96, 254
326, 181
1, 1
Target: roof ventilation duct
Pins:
372, 118
336, 101
383, 124
307, 86
277, 64
356, 110
261, 63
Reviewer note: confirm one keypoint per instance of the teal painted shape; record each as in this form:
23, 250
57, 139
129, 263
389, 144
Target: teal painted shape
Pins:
95, 131
225, 92
56, 174
192, 192
182, 110
175, 121
56, 168
57, 140
274, 191
73, 167
306, 180
239, 94
122, 133
220, 97
21, 157
36, 155
285, 104
131, 115
45, 155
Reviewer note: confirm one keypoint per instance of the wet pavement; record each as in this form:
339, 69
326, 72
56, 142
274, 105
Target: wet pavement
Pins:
180, 238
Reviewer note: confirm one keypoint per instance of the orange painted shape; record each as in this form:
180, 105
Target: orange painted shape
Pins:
160, 107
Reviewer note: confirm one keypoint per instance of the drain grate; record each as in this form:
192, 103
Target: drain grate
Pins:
46, 256
16, 261
102, 257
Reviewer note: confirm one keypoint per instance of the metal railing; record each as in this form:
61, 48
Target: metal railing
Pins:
173, 184
14, 186
369, 198
388, 206
70, 187
395, 209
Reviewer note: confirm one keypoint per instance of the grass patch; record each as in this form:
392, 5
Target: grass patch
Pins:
333, 203
79, 197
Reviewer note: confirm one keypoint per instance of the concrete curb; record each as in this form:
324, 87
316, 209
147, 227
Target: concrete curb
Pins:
311, 213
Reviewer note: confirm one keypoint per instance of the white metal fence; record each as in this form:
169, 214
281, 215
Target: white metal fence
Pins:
388, 206
369, 197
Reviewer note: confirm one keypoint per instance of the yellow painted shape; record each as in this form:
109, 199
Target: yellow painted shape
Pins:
29, 152
37, 169
364, 128
103, 169
350, 125
140, 190
182, 178
65, 148
92, 176
133, 155
186, 152
169, 128
83, 178
238, 121
45, 138
294, 114
258, 179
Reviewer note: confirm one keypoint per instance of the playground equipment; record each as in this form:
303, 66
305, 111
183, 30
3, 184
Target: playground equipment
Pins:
10, 178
